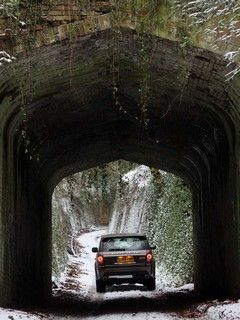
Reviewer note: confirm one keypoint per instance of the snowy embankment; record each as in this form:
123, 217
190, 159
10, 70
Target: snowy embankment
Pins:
86, 260
5, 58
226, 311
9, 314
131, 204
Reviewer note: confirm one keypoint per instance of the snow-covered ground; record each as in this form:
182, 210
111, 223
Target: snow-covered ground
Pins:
227, 310
87, 276
121, 302
8, 314
86, 261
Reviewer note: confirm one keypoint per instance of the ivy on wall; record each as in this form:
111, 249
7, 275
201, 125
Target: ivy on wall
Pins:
134, 197
170, 226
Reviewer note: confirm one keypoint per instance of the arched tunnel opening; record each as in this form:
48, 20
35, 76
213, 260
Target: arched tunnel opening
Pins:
120, 198
67, 107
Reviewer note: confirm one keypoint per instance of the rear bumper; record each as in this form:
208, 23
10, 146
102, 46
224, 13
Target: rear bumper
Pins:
125, 274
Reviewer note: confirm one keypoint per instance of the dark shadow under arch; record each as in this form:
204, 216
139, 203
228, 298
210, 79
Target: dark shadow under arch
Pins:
74, 124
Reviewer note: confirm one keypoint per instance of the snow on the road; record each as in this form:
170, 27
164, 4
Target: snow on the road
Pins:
87, 277
8, 314
135, 316
225, 311
87, 292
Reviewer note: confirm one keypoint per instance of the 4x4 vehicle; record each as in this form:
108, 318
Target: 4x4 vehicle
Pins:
124, 258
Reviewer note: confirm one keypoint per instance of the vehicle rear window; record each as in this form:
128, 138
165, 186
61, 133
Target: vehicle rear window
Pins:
124, 244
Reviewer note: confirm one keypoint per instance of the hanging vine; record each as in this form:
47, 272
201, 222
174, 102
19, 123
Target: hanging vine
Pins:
142, 12
217, 18
144, 73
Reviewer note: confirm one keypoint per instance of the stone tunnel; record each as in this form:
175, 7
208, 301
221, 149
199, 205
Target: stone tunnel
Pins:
71, 105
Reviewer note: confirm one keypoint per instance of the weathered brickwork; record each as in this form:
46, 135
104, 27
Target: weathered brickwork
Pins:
61, 20
64, 19
72, 102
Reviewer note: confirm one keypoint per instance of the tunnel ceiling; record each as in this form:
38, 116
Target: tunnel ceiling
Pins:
64, 94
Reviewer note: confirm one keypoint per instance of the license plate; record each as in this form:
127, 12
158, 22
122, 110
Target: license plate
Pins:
121, 277
125, 259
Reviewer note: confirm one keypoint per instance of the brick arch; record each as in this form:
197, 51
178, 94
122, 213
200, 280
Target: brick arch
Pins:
74, 123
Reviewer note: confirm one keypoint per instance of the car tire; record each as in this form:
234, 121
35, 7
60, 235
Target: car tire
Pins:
151, 284
100, 286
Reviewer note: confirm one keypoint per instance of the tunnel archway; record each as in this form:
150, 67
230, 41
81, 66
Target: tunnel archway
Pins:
63, 93
120, 197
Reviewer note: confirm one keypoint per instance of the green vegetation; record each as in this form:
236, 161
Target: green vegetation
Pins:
80, 202
103, 194
170, 226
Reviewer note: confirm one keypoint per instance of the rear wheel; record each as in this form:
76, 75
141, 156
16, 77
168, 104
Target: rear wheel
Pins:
151, 284
100, 286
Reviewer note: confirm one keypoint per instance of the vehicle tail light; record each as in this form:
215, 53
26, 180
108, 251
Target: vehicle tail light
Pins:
100, 260
149, 257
